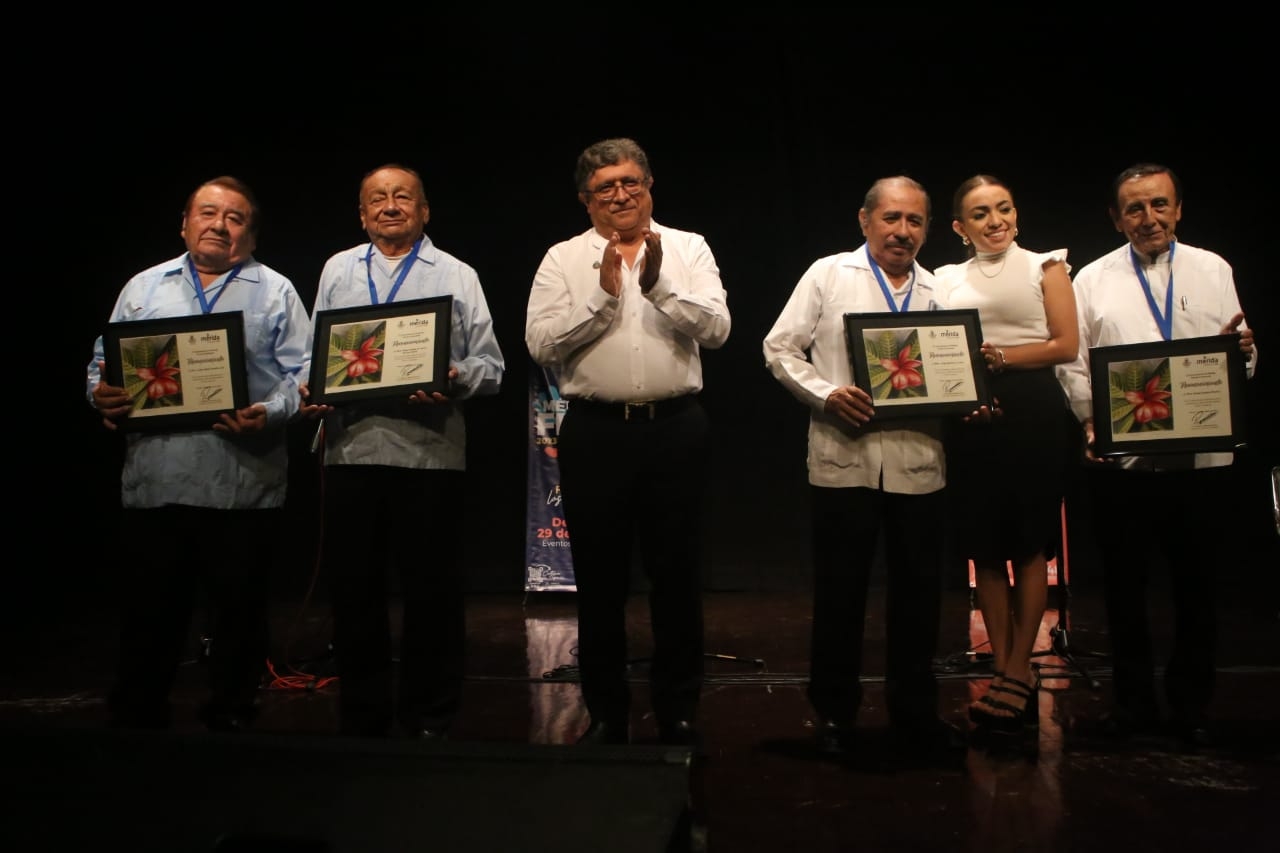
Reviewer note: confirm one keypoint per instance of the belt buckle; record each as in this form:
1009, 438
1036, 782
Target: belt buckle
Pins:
640, 406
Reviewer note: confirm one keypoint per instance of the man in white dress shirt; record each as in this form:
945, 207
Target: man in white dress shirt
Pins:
869, 475
1160, 506
622, 313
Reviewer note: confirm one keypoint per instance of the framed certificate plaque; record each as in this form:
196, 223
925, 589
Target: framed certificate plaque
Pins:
919, 363
1179, 396
381, 351
180, 372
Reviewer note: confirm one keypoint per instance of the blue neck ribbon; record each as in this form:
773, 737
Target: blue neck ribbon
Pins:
404, 271
884, 285
206, 306
1165, 321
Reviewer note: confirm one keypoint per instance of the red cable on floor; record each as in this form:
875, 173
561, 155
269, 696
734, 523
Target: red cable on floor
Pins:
298, 680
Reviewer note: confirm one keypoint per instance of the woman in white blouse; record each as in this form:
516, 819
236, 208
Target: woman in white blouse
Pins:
1006, 478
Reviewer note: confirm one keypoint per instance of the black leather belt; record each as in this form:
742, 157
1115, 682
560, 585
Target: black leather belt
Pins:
641, 411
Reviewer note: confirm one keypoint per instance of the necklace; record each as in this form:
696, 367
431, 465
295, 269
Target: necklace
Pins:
979, 257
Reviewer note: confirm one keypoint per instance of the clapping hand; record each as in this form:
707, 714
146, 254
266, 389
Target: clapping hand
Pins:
652, 264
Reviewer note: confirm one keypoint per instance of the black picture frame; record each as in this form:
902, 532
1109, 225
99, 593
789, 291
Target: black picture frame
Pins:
416, 333
946, 344
181, 372
1196, 404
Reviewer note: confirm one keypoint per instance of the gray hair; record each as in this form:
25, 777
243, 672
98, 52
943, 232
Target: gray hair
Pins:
872, 199
609, 152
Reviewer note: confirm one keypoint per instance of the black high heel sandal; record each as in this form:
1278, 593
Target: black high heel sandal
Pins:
1018, 719
980, 711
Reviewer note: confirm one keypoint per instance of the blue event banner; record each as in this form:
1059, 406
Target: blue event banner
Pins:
549, 567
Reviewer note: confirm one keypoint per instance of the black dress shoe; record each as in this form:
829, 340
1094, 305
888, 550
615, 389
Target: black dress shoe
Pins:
604, 732
432, 734
1198, 737
1121, 723
226, 721
1194, 734
679, 733
835, 738
933, 740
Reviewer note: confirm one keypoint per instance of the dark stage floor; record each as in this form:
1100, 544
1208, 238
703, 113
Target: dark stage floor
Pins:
509, 780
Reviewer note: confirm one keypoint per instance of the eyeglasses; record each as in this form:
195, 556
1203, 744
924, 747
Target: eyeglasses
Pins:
631, 186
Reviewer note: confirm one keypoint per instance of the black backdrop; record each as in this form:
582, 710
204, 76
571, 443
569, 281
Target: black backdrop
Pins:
763, 134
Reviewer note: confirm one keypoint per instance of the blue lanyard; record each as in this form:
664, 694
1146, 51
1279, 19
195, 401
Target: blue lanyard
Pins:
1164, 322
205, 305
884, 286
404, 271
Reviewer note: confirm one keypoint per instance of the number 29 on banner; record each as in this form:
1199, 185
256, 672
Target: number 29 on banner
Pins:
557, 530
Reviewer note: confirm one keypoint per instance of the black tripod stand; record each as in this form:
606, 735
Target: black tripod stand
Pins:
1059, 634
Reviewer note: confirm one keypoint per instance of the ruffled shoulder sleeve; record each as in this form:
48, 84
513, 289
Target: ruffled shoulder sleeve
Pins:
1043, 258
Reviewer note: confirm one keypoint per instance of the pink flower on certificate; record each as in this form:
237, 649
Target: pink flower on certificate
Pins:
1149, 403
904, 370
363, 360
160, 378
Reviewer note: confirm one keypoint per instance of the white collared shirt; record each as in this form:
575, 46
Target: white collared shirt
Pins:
1113, 310
806, 350
635, 346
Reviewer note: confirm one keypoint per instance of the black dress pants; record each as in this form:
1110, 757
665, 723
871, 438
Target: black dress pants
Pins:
847, 524
1143, 521
389, 530
636, 482
187, 559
